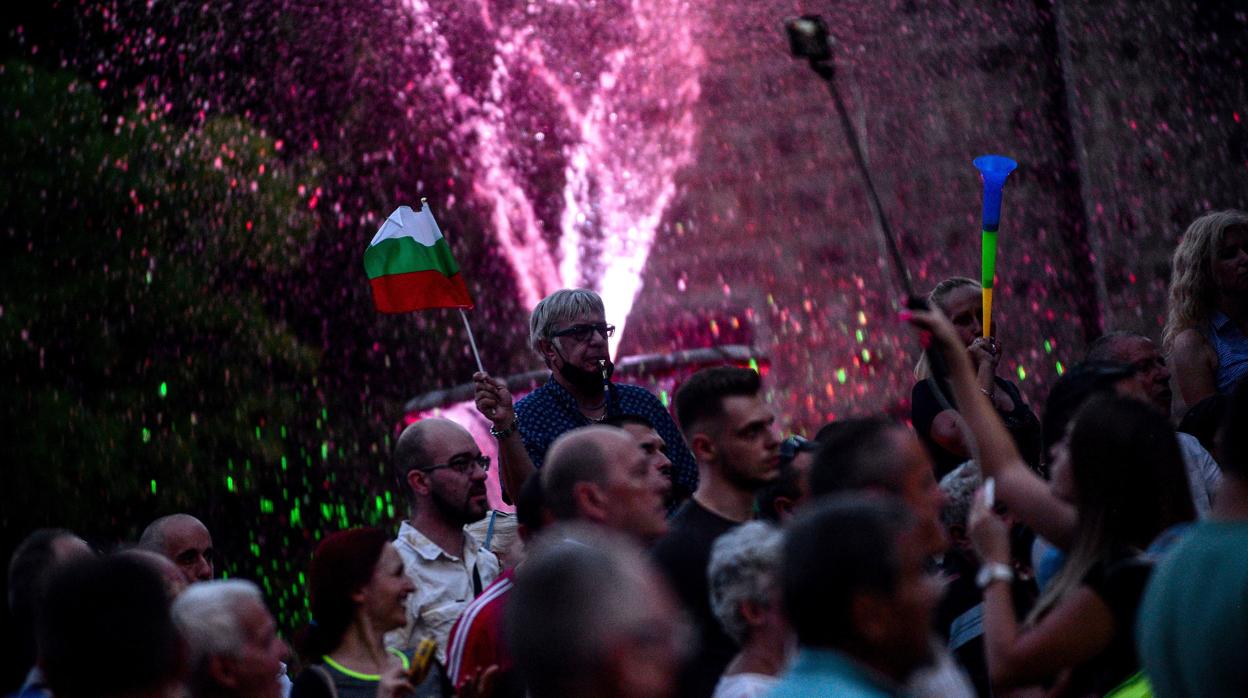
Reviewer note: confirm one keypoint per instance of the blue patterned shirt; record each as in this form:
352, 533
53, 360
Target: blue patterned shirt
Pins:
551, 410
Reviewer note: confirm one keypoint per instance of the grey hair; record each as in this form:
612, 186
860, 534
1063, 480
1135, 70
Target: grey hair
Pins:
154, 536
745, 566
560, 306
1105, 348
207, 616
959, 485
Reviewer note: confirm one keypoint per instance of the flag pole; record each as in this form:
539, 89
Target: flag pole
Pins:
471, 341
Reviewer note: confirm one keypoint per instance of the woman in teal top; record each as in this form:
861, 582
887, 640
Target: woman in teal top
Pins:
358, 591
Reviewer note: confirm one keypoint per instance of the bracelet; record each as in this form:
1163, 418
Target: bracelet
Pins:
503, 433
991, 572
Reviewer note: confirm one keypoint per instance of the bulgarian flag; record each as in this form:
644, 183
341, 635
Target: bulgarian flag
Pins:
410, 266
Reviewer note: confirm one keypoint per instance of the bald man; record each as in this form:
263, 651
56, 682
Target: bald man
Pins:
186, 541
442, 471
601, 474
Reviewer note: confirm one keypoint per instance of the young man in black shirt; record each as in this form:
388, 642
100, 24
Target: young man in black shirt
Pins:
733, 436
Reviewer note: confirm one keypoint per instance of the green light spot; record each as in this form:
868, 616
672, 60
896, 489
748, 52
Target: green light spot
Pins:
1048, 347
324, 413
302, 580
164, 389
153, 487
1060, 368
266, 505
257, 433
380, 505
296, 519
147, 435
229, 483
255, 549
858, 335
149, 278
390, 510
324, 450
754, 365
841, 376
663, 398
866, 355
1022, 373
283, 431
283, 462
327, 512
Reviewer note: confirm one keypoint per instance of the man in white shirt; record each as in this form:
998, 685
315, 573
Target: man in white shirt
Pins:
1151, 383
440, 467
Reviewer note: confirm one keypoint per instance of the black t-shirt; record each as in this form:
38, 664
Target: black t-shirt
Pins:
1021, 422
1119, 580
684, 555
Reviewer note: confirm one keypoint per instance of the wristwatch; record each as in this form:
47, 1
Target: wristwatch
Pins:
991, 572
501, 434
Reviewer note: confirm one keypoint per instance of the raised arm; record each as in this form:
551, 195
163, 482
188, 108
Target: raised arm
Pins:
1018, 487
494, 402
1078, 629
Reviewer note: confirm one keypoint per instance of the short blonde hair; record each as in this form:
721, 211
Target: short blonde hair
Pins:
560, 306
937, 298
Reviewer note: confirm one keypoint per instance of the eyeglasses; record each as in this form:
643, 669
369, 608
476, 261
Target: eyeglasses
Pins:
463, 465
583, 332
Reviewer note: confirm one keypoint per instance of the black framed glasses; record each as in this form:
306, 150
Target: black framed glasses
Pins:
463, 464
584, 331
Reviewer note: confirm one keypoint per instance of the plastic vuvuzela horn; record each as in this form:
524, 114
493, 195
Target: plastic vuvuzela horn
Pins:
993, 170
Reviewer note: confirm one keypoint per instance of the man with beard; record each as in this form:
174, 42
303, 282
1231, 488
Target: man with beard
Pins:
568, 330
732, 432
440, 467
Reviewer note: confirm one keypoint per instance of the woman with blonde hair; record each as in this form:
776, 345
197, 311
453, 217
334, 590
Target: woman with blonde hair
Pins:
933, 409
1206, 330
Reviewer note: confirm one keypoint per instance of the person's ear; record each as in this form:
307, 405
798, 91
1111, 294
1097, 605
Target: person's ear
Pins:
784, 507
221, 669
753, 612
703, 448
418, 480
871, 615
549, 353
590, 501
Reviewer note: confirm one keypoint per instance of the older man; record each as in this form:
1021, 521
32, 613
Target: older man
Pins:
441, 469
1150, 382
858, 598
599, 475
589, 616
185, 540
231, 640
569, 331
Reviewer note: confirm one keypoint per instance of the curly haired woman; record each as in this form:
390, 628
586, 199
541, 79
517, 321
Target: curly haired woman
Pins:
1206, 330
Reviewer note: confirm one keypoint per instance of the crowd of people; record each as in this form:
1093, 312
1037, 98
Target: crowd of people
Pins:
979, 550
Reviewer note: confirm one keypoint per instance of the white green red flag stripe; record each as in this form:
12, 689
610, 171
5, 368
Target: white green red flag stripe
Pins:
410, 266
